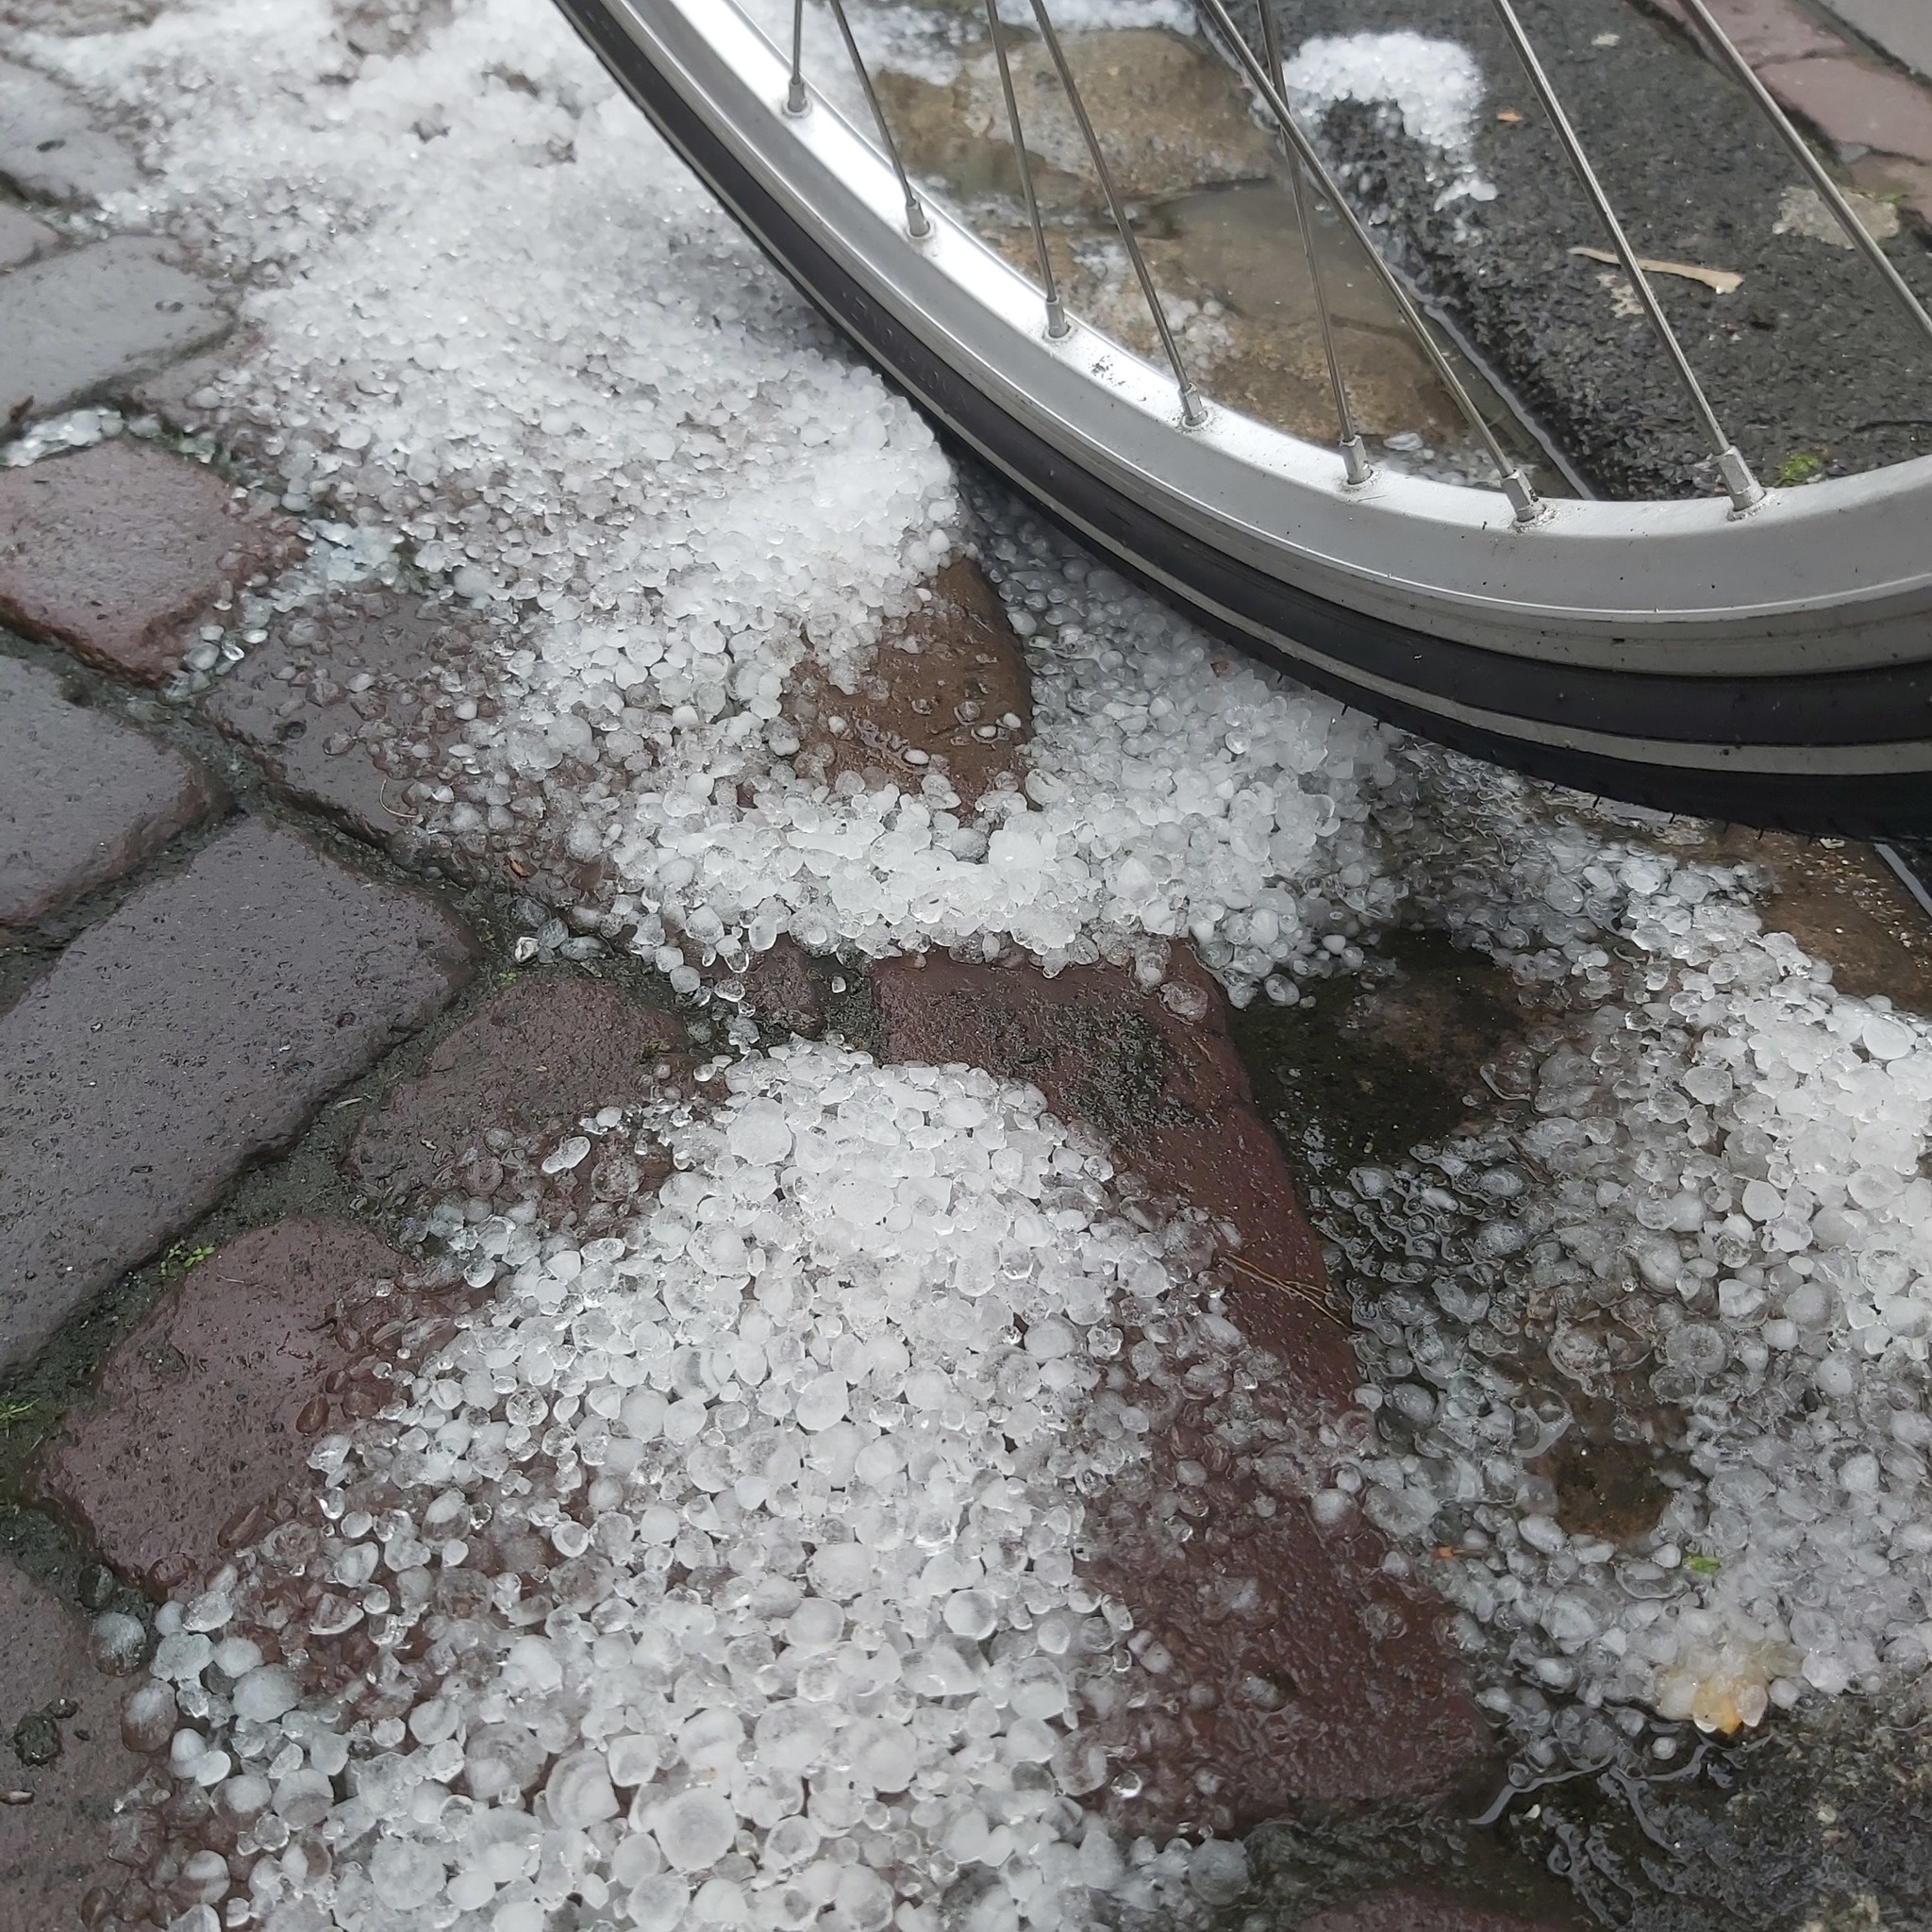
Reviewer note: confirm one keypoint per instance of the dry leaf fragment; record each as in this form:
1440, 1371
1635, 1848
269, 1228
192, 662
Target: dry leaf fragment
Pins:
1720, 281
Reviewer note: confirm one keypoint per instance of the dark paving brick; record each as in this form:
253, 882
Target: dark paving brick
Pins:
1409, 1908
204, 1414
21, 237
120, 551
50, 150
1856, 104
1912, 181
1154, 1073
184, 395
83, 799
937, 699
55, 1850
336, 690
529, 1063
194, 1030
79, 325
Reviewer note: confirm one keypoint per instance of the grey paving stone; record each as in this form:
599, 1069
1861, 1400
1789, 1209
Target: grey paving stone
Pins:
55, 1849
1901, 28
83, 799
186, 394
120, 551
194, 1030
80, 325
332, 687
21, 237
50, 149
209, 1407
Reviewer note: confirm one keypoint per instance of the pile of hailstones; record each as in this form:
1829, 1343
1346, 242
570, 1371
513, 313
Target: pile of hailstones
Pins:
1706, 1215
723, 1572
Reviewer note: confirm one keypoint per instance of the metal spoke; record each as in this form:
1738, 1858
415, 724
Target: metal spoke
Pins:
1192, 414
1523, 500
796, 99
1743, 487
1856, 231
1355, 455
1056, 324
917, 223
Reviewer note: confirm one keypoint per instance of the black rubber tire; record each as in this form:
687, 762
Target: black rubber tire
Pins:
1708, 717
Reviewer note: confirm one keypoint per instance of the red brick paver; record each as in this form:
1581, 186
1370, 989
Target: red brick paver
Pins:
55, 1849
79, 325
535, 1060
83, 799
195, 1029
204, 1415
120, 551
1365, 1702
336, 687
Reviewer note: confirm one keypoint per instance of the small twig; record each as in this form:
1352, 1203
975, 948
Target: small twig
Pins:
1305, 1292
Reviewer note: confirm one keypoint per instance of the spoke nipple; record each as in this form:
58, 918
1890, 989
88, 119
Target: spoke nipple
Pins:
1355, 461
796, 101
1057, 328
917, 225
1528, 506
1746, 492
1192, 414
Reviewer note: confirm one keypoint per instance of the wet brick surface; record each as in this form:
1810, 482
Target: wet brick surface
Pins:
1901, 28
204, 1414
83, 799
1152, 1070
181, 394
79, 325
1856, 104
1365, 1703
1764, 29
55, 1850
20, 235
120, 552
333, 685
49, 148
550, 1048
948, 695
1409, 1908
193, 1031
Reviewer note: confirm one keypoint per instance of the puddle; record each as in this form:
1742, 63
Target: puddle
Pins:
1363, 1069
1402, 1091
1216, 225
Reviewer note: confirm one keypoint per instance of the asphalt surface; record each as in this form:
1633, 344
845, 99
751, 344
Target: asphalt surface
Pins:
1811, 364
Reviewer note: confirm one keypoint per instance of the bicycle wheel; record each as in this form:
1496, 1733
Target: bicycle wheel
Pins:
1759, 654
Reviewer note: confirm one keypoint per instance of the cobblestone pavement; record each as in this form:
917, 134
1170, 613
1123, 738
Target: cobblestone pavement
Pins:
257, 1022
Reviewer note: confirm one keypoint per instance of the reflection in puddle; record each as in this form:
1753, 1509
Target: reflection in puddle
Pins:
1216, 223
